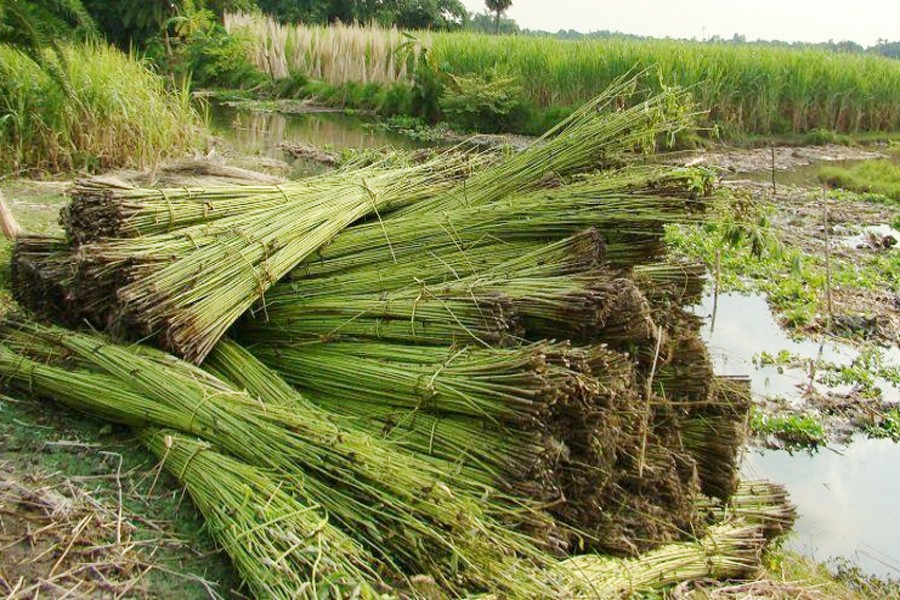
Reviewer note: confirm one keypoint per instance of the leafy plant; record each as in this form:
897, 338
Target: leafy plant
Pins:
794, 431
488, 103
32, 26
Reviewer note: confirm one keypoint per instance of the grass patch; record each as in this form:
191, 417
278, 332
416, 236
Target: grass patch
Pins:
877, 179
120, 113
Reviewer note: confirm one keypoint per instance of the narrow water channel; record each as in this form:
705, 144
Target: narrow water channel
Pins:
254, 133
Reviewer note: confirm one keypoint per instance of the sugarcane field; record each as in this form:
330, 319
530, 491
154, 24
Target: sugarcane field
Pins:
437, 299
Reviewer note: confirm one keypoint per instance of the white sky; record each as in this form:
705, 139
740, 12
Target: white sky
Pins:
862, 21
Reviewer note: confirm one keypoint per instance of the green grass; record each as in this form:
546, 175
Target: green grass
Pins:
879, 179
747, 89
120, 113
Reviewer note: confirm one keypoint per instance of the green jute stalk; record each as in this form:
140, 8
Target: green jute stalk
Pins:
630, 220
192, 284
235, 364
714, 434
398, 506
415, 316
727, 551
595, 135
282, 547
105, 208
499, 385
583, 251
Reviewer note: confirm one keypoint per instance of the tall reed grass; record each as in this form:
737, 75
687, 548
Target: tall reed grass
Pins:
338, 54
119, 114
747, 89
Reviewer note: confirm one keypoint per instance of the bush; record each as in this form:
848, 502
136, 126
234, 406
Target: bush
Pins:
215, 58
488, 104
120, 113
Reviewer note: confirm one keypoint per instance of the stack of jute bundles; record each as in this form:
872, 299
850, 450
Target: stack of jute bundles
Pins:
459, 367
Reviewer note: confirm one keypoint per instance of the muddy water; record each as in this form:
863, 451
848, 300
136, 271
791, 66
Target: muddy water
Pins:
739, 327
255, 133
846, 496
847, 500
807, 175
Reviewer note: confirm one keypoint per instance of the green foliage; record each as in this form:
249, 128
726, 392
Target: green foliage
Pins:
793, 431
878, 177
488, 104
31, 26
407, 14
427, 86
747, 88
118, 113
147, 25
886, 426
215, 58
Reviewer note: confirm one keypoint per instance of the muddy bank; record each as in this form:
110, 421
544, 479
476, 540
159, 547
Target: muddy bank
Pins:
783, 158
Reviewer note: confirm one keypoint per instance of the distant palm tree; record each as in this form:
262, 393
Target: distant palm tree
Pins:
498, 7
31, 26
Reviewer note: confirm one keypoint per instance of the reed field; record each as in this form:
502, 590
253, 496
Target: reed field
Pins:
120, 113
746, 89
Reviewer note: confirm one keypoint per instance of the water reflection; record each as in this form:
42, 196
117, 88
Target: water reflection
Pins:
259, 134
744, 327
846, 496
846, 499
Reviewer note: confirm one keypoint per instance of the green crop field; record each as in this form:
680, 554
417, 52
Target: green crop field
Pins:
746, 89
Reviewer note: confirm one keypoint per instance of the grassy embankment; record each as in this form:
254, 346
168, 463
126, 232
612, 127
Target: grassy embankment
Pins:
120, 113
876, 179
748, 90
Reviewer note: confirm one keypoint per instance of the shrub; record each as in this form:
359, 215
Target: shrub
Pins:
487, 104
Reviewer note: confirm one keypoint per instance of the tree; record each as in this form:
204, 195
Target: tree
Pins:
498, 7
484, 23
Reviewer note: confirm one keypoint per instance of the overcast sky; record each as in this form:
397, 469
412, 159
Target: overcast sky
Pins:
862, 21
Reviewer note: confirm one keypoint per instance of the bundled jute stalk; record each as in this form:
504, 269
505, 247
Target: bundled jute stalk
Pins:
43, 274
233, 363
499, 385
594, 136
415, 316
727, 551
714, 432
583, 251
398, 506
630, 220
282, 547
679, 283
192, 284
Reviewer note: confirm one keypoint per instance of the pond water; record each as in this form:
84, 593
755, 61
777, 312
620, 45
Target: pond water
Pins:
739, 327
846, 496
255, 133
807, 175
